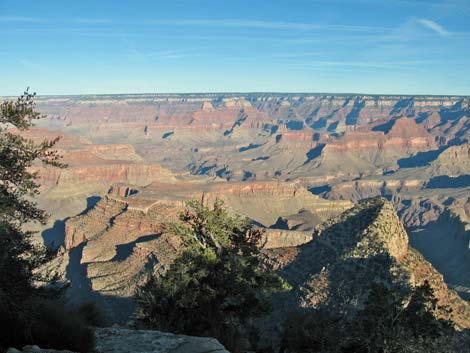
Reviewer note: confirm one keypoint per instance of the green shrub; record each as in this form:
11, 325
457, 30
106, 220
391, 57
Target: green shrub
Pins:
217, 283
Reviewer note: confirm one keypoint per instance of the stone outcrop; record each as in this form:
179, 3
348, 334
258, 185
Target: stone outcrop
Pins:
373, 222
279, 238
120, 340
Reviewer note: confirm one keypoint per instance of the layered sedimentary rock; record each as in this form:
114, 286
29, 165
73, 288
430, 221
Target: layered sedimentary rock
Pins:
91, 170
90, 164
258, 136
452, 162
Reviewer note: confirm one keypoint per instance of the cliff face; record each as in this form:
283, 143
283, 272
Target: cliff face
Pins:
139, 174
91, 170
178, 130
452, 162
445, 242
317, 140
396, 133
87, 164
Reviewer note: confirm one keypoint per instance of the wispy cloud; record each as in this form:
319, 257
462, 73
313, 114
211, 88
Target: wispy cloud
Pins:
369, 64
220, 23
22, 19
296, 55
203, 36
362, 66
460, 5
90, 20
43, 20
135, 54
432, 25
239, 23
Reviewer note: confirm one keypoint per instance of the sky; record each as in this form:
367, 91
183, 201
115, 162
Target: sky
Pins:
181, 46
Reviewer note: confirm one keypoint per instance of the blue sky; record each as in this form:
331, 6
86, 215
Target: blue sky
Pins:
362, 46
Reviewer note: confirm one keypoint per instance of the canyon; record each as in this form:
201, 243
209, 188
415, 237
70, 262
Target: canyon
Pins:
288, 162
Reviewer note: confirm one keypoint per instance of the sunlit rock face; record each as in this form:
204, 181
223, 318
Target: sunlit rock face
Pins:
262, 136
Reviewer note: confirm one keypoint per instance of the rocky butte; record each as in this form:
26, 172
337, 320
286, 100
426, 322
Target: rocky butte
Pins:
346, 254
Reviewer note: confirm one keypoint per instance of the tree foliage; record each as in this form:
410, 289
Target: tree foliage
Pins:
23, 317
217, 284
18, 187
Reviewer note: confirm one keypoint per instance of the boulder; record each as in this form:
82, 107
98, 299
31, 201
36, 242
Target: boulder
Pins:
119, 340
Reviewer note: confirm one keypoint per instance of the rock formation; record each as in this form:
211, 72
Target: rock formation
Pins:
365, 244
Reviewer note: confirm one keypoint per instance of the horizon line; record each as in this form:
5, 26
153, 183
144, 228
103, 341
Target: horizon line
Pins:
221, 93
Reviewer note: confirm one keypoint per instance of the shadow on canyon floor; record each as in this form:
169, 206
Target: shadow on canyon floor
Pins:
446, 182
113, 309
421, 159
445, 243
320, 190
54, 237
123, 251
314, 153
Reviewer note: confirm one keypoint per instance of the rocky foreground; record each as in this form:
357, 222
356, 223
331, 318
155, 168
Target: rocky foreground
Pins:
120, 340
